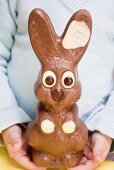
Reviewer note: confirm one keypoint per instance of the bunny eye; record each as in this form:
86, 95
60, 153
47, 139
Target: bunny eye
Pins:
49, 79
68, 79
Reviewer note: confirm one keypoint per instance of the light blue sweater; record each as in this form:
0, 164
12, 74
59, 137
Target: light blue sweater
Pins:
19, 66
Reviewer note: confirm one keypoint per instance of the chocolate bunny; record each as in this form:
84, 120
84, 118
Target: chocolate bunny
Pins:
57, 136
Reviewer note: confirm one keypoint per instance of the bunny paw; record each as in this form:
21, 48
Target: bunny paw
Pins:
69, 127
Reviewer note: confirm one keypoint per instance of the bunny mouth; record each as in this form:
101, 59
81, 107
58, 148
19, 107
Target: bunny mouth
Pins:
57, 95
57, 102
57, 99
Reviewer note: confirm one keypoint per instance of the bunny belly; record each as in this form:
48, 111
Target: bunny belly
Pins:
58, 143
56, 147
56, 150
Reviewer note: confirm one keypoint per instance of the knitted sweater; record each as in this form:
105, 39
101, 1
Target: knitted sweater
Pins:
19, 66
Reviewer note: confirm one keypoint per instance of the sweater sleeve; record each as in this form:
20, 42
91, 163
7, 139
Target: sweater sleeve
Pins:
10, 112
103, 120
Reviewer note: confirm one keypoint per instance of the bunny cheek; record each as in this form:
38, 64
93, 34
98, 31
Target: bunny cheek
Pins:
71, 96
43, 94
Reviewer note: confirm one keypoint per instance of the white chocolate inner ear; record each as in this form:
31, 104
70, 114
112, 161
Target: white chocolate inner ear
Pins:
76, 36
69, 127
47, 126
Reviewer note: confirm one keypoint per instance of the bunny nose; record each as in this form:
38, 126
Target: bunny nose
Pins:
57, 94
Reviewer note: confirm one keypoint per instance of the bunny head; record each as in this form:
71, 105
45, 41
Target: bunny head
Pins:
58, 85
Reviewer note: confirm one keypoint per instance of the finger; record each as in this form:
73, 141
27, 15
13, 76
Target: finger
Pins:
23, 159
99, 152
89, 165
15, 144
87, 151
12, 138
83, 161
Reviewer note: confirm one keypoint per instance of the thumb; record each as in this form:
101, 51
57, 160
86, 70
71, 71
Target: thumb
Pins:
13, 138
98, 148
97, 155
16, 139
16, 145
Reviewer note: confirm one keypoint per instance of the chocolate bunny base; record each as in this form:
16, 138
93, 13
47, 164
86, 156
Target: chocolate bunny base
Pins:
57, 149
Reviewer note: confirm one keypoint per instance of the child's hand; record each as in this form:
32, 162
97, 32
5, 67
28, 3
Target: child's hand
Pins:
15, 140
95, 153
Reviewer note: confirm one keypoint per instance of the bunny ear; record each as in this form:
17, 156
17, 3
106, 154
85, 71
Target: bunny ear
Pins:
77, 32
41, 32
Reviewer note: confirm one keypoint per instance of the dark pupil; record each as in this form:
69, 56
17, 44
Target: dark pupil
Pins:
68, 81
49, 80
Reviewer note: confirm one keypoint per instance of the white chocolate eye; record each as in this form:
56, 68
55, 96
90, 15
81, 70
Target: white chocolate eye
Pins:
47, 126
68, 79
49, 79
69, 127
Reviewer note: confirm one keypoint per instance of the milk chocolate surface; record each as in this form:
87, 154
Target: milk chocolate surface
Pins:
57, 136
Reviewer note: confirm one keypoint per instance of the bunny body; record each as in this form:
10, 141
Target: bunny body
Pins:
57, 149
57, 136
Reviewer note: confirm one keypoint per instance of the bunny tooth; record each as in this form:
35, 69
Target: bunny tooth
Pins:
69, 127
47, 126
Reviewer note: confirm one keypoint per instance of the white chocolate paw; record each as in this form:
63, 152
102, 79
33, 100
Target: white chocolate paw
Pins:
69, 127
47, 126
